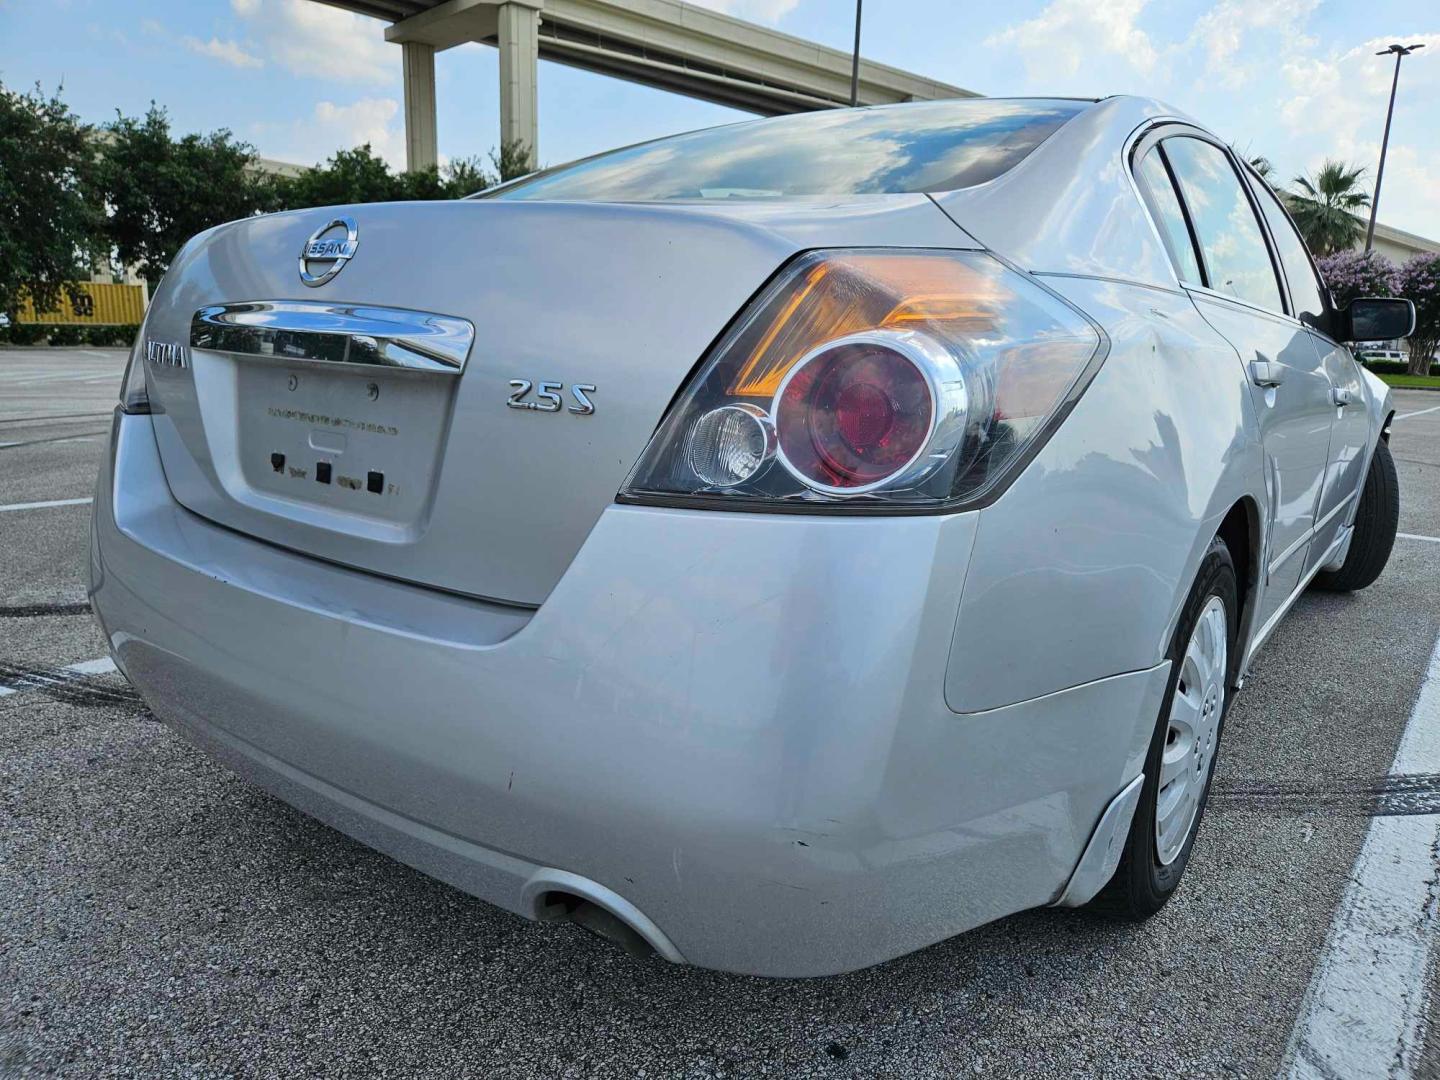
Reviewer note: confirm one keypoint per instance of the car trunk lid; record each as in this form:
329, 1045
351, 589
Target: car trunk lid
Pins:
367, 419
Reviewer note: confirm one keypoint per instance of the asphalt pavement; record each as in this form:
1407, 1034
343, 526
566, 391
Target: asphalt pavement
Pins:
159, 917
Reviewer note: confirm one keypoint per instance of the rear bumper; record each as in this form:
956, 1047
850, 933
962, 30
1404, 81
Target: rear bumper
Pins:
730, 729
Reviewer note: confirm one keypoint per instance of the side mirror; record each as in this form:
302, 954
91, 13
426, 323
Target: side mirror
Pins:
1374, 318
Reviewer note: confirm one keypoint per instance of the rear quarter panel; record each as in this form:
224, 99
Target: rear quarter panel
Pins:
1079, 570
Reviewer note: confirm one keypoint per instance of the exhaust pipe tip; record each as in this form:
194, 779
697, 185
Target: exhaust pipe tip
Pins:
560, 896
590, 916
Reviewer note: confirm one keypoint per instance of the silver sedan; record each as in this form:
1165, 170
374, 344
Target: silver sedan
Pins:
777, 547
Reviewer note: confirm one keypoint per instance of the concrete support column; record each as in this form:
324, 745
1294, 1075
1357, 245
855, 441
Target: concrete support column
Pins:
519, 40
422, 149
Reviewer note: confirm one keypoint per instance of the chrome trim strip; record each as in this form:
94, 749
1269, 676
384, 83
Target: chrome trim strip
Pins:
303, 331
1205, 293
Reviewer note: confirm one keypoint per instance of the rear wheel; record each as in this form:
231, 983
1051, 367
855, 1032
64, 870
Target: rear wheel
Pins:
1182, 751
1376, 520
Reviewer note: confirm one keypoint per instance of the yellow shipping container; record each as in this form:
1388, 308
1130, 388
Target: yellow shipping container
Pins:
99, 305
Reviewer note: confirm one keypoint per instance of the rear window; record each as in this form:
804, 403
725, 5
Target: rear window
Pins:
929, 146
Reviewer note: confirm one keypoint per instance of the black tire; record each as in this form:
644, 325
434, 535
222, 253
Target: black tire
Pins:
1142, 884
1375, 523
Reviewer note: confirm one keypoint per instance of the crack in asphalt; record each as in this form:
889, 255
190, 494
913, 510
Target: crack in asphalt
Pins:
1388, 796
69, 687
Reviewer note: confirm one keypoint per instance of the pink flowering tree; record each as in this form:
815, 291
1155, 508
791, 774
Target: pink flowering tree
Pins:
1358, 273
1419, 282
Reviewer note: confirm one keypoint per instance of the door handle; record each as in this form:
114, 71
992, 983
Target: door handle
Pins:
1266, 373
1343, 396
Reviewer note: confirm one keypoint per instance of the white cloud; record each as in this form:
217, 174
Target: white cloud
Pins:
764, 11
369, 120
1258, 74
331, 127
1229, 27
1336, 108
320, 41
1350, 89
227, 52
1071, 36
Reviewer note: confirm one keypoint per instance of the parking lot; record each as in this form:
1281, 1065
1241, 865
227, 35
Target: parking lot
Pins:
160, 917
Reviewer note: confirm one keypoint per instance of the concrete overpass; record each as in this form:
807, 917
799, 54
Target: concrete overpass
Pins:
668, 44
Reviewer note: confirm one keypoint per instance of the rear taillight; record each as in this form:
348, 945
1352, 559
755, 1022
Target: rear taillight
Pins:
873, 379
860, 413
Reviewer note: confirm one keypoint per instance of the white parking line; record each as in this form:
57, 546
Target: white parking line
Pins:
1364, 1012
44, 505
1417, 536
1422, 412
101, 666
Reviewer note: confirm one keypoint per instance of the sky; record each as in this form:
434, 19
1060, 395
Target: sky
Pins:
1294, 80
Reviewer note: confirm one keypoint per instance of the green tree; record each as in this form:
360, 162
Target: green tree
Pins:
360, 176
162, 191
466, 176
1326, 205
513, 159
421, 184
49, 215
1264, 168
350, 176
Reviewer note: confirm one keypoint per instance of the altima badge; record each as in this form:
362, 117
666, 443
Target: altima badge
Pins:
167, 354
328, 250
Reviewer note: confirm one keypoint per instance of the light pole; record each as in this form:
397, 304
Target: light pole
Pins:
1400, 51
855, 61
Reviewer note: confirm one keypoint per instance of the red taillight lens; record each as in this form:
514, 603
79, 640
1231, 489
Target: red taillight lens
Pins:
852, 415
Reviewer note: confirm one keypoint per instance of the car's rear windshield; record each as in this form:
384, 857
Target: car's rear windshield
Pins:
923, 146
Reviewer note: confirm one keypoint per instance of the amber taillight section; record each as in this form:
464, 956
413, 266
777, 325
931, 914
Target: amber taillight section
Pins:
850, 293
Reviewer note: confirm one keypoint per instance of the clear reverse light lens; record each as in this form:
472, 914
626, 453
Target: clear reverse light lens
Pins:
876, 378
729, 445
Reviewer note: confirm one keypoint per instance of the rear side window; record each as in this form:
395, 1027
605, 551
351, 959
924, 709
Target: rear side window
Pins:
1237, 262
1294, 256
929, 146
1165, 206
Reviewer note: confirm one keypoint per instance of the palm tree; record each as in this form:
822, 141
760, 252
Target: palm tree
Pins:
1263, 166
1325, 207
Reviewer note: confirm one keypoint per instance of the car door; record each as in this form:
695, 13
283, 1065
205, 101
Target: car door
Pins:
1350, 429
1237, 287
